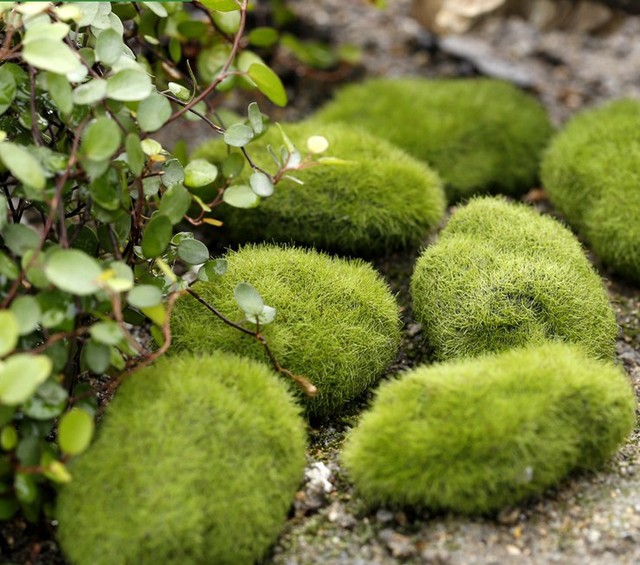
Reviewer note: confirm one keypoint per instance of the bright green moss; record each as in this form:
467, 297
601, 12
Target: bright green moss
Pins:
502, 276
197, 462
480, 135
336, 323
473, 436
592, 174
382, 199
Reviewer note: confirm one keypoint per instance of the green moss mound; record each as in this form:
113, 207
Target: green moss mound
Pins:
480, 135
336, 323
502, 276
382, 199
197, 462
591, 173
474, 436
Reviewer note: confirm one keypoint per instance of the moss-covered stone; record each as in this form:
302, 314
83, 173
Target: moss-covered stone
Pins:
480, 135
381, 199
473, 436
591, 172
501, 276
336, 323
197, 462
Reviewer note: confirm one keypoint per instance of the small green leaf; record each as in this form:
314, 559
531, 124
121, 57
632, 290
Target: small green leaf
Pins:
108, 333
249, 299
57, 472
129, 85
109, 46
241, 196
20, 238
51, 55
96, 356
220, 5
135, 155
268, 83
261, 184
75, 431
8, 438
157, 8
193, 251
175, 202
172, 173
60, 91
9, 332
100, 139
73, 271
199, 172
8, 89
27, 312
156, 236
90, 92
267, 315
25, 488
232, 166
211, 269
238, 135
153, 112
179, 91
49, 401
22, 165
144, 296
227, 22
263, 36
8, 267
255, 118
20, 376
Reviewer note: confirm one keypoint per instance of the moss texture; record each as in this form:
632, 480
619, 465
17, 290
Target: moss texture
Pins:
383, 199
336, 323
480, 135
197, 462
591, 172
500, 276
474, 436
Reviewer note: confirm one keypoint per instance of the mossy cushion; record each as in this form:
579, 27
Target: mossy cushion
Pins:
380, 199
197, 462
473, 436
336, 323
480, 135
500, 276
591, 172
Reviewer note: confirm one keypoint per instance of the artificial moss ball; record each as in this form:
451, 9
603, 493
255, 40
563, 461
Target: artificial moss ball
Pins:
473, 436
591, 173
197, 462
336, 322
480, 135
501, 276
379, 199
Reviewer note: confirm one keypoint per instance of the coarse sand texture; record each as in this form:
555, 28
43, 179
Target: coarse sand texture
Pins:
591, 172
477, 435
500, 276
336, 321
197, 462
376, 199
480, 135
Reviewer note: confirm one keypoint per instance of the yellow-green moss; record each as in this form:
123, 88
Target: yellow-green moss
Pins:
500, 276
480, 135
473, 436
336, 323
197, 462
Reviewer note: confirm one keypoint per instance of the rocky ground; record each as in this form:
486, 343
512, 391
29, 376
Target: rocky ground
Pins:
589, 519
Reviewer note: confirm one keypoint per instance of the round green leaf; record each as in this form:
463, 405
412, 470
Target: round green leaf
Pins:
108, 333
9, 332
238, 135
227, 22
8, 438
175, 202
241, 196
20, 238
22, 165
193, 251
73, 271
27, 312
261, 184
75, 431
60, 91
8, 89
156, 236
135, 155
144, 296
268, 83
249, 299
157, 8
20, 376
129, 85
109, 46
232, 166
172, 173
263, 36
100, 139
267, 315
153, 112
90, 92
8, 267
96, 356
211, 269
49, 401
25, 487
199, 172
51, 55
255, 118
